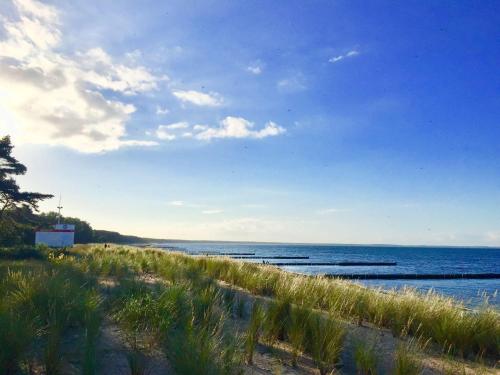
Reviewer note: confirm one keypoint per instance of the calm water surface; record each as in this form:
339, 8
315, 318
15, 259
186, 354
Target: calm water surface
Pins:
409, 260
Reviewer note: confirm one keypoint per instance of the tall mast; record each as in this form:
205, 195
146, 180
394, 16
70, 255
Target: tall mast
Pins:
59, 207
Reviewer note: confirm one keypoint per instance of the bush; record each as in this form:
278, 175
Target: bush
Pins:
23, 252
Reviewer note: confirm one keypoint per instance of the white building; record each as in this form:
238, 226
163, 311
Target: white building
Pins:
62, 235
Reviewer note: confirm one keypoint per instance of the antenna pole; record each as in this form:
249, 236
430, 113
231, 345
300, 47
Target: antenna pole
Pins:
59, 207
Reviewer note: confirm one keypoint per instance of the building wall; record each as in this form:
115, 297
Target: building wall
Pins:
62, 236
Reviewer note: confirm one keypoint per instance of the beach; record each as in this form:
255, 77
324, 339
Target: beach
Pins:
116, 309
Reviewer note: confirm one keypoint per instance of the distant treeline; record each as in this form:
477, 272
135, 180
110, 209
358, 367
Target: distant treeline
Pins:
23, 223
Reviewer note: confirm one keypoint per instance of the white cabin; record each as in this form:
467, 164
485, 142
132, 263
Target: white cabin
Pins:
62, 235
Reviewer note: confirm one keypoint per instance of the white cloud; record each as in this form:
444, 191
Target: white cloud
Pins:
177, 125
211, 99
53, 98
338, 58
176, 203
255, 68
238, 127
292, 84
162, 132
230, 127
100, 70
211, 212
162, 111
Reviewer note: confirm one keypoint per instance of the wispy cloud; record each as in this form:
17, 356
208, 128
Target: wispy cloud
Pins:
238, 127
211, 212
211, 99
177, 125
230, 127
176, 203
62, 99
349, 54
294, 83
162, 132
255, 68
162, 111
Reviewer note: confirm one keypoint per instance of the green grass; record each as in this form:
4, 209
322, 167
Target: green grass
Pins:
254, 331
325, 338
92, 325
405, 361
366, 358
16, 335
277, 320
297, 330
407, 312
186, 315
440, 319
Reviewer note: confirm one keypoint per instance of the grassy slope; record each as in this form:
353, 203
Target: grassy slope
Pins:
185, 314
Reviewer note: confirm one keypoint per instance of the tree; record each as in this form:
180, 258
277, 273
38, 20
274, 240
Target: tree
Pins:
11, 196
16, 206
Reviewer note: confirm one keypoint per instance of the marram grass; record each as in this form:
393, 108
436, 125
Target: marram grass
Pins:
430, 316
406, 312
184, 312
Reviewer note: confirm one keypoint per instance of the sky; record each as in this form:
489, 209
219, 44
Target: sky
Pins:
291, 121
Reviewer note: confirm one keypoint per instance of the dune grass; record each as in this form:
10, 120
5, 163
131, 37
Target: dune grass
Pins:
405, 361
442, 320
254, 331
324, 341
297, 330
184, 313
406, 312
366, 358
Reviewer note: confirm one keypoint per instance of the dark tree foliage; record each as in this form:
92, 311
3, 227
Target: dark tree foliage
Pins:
10, 194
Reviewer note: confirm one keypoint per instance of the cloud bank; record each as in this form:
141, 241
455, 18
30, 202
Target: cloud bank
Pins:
229, 127
59, 99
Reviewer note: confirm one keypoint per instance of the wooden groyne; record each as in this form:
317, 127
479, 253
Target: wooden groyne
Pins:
404, 276
215, 253
269, 257
344, 264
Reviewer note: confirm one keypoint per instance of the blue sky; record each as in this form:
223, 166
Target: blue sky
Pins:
319, 121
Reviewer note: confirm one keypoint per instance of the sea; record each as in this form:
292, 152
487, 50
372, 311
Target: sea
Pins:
409, 260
